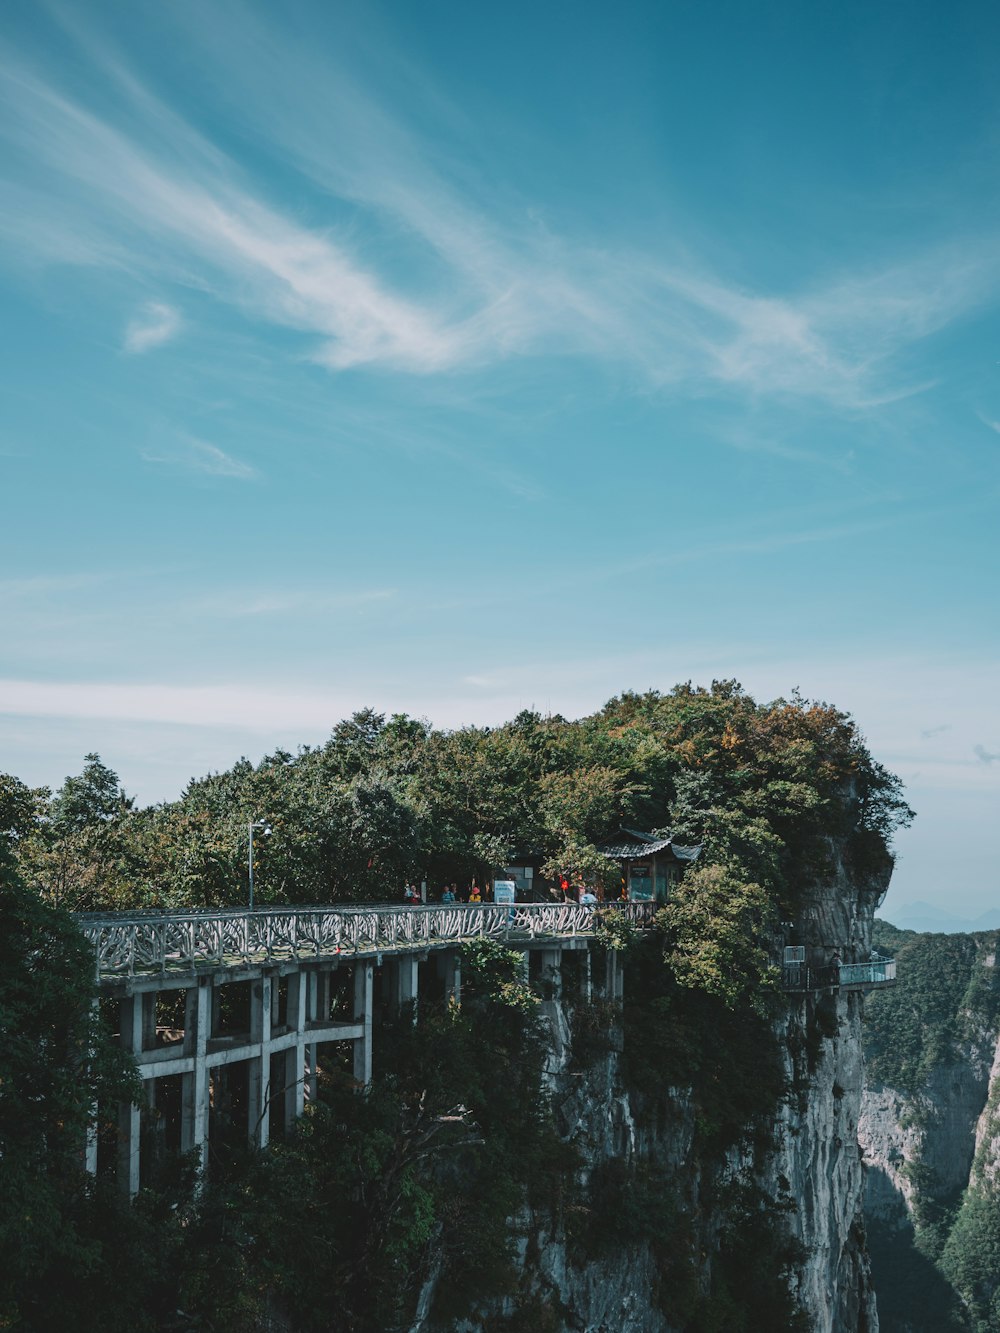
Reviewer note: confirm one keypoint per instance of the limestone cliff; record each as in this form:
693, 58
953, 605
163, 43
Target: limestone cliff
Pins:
797, 1177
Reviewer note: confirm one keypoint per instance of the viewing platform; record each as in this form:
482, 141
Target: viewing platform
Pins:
875, 974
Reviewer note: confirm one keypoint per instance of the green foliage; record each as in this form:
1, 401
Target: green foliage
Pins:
727, 1056
56, 1062
424, 1170
764, 787
716, 936
946, 997
971, 1258
493, 973
942, 994
94, 797
751, 1271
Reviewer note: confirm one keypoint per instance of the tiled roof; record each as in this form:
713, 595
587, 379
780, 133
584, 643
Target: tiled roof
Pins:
625, 851
630, 843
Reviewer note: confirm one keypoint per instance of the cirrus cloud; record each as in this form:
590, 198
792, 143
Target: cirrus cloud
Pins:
155, 325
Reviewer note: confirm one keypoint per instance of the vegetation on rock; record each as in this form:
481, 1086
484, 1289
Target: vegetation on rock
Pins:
419, 1178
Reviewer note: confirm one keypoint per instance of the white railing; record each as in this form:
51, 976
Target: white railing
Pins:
154, 941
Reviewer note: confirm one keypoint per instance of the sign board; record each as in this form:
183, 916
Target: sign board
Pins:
504, 891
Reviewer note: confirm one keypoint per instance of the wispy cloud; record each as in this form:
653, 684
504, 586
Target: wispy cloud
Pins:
985, 756
197, 455
492, 283
155, 325
278, 602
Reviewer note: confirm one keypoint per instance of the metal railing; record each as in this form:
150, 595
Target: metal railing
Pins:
150, 941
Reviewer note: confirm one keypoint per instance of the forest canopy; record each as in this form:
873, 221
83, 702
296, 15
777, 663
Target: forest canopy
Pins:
384, 800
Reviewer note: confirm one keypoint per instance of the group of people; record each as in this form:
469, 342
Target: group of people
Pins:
451, 893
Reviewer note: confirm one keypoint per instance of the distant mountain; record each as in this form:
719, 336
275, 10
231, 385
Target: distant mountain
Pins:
924, 917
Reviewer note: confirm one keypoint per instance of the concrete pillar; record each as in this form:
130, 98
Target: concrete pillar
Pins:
317, 995
407, 981
294, 1088
588, 979
259, 1070
148, 1020
90, 1143
129, 1116
551, 969
195, 1086
321, 1009
363, 985
614, 985
450, 969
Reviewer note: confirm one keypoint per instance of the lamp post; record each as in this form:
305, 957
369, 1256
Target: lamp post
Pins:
262, 826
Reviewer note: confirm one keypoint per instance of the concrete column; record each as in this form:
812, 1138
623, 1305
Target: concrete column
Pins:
294, 1087
450, 969
148, 1020
614, 986
551, 961
321, 1009
195, 1086
90, 1143
363, 983
316, 995
259, 1068
407, 981
129, 1116
588, 979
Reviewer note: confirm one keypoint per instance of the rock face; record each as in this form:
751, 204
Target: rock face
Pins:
931, 1135
807, 1162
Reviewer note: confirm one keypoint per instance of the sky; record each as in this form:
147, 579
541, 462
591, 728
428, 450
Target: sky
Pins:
454, 359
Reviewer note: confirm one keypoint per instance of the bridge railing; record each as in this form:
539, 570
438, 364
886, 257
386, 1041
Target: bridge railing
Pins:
155, 941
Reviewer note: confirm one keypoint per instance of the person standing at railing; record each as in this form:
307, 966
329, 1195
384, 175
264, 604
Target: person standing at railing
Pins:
588, 898
475, 896
447, 894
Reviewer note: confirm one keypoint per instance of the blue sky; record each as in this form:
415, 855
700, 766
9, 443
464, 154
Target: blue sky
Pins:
455, 359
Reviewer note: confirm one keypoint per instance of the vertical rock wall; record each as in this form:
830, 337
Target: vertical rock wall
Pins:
812, 1161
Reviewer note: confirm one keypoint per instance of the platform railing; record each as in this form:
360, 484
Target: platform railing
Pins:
150, 941
804, 977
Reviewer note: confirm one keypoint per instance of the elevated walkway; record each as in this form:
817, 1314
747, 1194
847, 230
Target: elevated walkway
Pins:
146, 944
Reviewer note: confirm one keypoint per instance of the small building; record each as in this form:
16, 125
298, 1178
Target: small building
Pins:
650, 863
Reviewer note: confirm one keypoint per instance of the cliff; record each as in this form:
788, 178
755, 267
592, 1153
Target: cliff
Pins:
679, 1224
930, 1134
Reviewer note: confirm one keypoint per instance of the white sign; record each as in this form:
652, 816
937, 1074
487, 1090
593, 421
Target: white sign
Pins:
504, 891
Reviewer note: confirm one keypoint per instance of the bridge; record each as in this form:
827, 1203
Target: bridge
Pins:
231, 1014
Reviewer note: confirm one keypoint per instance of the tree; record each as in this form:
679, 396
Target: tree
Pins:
56, 1065
93, 797
716, 939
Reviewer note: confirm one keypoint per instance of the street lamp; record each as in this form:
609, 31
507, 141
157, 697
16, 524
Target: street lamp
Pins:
262, 826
